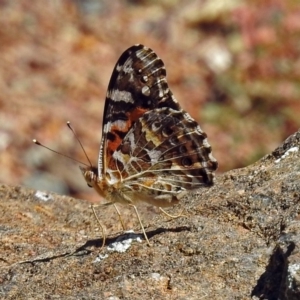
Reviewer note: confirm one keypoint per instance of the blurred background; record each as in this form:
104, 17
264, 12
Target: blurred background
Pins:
233, 65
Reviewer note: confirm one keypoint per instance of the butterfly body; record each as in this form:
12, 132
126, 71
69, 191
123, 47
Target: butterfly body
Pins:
151, 149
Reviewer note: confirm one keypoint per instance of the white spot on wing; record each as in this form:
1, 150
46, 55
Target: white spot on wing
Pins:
154, 155
210, 156
173, 98
131, 138
146, 90
117, 155
199, 130
127, 67
120, 124
117, 95
206, 144
119, 67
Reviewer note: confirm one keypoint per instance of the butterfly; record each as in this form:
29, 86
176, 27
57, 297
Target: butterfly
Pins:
151, 149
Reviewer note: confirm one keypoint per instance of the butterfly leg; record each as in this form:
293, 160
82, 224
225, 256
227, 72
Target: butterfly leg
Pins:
138, 216
120, 219
171, 216
102, 228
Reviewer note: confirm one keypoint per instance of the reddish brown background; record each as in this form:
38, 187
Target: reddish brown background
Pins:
234, 67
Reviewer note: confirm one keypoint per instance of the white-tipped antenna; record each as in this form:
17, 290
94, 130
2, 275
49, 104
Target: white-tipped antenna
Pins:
67, 156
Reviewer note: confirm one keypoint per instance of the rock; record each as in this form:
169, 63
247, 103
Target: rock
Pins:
239, 240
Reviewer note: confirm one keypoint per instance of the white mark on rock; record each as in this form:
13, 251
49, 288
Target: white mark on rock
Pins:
288, 152
43, 196
124, 242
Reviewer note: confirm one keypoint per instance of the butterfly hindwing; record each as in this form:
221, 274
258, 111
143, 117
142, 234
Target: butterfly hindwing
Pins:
163, 154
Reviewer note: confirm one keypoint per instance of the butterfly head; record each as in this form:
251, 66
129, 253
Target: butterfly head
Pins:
90, 175
92, 179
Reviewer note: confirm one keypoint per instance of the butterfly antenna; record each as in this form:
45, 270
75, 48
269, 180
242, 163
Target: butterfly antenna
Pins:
39, 144
77, 138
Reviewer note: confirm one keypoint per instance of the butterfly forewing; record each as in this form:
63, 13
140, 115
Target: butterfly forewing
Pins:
138, 84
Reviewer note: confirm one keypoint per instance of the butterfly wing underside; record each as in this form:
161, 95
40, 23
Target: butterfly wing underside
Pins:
149, 143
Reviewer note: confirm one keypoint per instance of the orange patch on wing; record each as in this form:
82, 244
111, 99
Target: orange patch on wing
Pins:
111, 148
137, 113
113, 145
132, 117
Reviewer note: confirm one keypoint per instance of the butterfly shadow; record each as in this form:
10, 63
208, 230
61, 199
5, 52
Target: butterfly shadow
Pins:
160, 230
98, 243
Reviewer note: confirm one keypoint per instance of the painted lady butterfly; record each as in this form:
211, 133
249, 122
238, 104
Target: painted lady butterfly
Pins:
151, 149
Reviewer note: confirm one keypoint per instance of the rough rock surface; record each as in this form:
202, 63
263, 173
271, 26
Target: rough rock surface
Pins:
239, 240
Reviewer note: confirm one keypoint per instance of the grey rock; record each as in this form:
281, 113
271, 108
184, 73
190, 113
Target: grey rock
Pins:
239, 240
